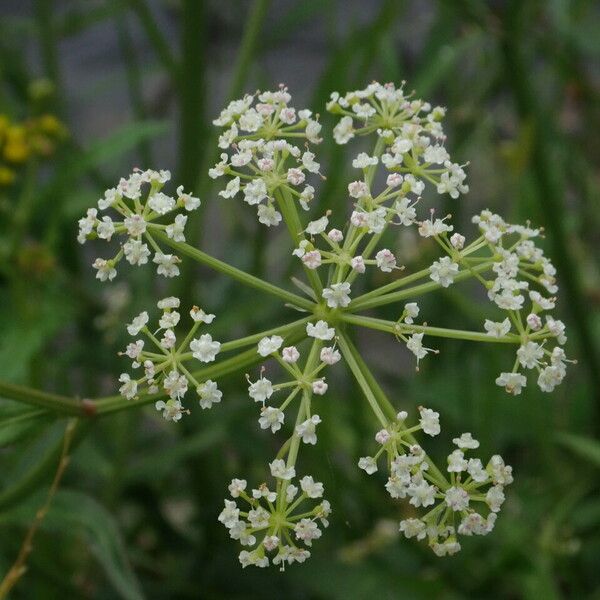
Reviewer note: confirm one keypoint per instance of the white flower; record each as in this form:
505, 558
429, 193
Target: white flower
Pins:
271, 417
189, 202
280, 471
161, 203
237, 486
232, 188
530, 354
497, 330
106, 270
358, 189
105, 228
308, 160
330, 356
429, 421
335, 235
205, 349
175, 230
457, 240
175, 385
138, 323
269, 345
495, 498
385, 260
290, 354
343, 132
413, 528
405, 212
307, 430
295, 176
168, 303
171, 409
267, 215
135, 225
312, 259
312, 488
415, 345
368, 464
476, 470
420, 492
129, 387
432, 228
382, 436
358, 264
411, 311
134, 349
338, 295
457, 498
318, 226
168, 340
534, 322
255, 191
260, 390
229, 516
167, 264
513, 383
136, 252
363, 161
500, 472
320, 330
307, 530
319, 387
443, 271
198, 315
457, 462
550, 377
209, 394
466, 441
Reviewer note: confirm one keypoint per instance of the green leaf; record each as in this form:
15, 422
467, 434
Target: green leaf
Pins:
585, 447
73, 511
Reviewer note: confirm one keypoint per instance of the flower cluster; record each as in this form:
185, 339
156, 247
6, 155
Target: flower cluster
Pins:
278, 522
307, 379
264, 165
411, 131
465, 501
140, 211
508, 263
163, 365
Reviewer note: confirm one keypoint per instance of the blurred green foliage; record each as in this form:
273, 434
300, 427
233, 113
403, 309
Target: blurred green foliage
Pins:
136, 513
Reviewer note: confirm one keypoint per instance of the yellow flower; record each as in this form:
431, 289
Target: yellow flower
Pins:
7, 176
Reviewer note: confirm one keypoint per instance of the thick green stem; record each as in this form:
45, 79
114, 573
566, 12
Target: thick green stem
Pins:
292, 220
156, 38
58, 404
246, 278
350, 353
384, 401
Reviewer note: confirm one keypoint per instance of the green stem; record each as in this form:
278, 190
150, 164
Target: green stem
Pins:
292, 220
378, 393
218, 265
361, 303
156, 38
350, 355
457, 334
58, 404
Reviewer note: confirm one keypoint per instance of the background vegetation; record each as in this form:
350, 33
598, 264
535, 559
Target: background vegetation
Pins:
89, 89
